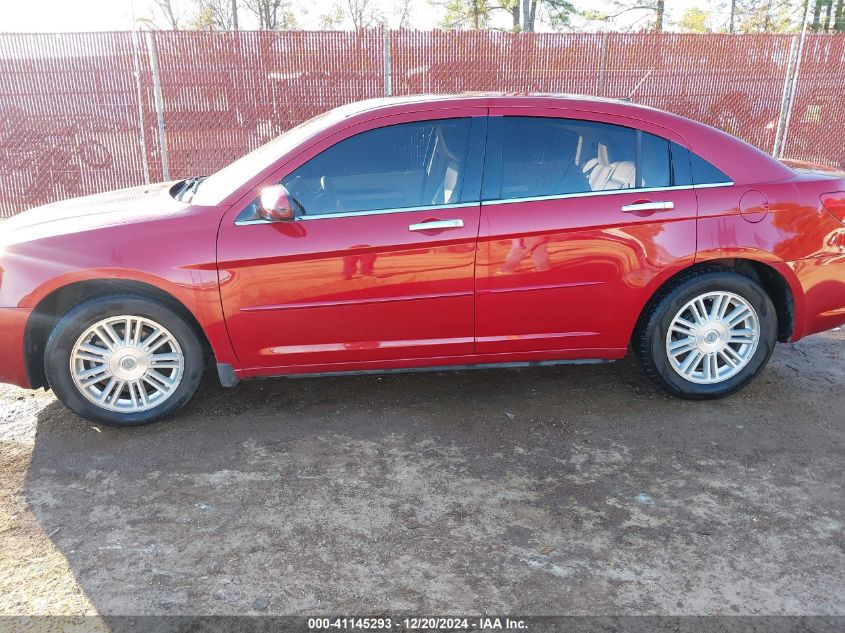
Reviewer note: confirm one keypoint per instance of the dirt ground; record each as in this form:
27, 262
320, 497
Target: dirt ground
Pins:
570, 490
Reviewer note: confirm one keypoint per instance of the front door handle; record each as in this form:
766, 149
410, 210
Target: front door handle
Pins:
648, 206
434, 225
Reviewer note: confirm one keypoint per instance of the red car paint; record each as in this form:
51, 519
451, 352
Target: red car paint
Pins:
539, 280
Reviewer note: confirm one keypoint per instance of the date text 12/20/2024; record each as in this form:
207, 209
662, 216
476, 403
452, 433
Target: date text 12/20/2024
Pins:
420, 623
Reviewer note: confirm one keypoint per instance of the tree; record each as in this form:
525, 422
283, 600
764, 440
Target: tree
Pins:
818, 7
214, 15
476, 14
828, 16
170, 11
529, 14
694, 21
472, 14
363, 13
769, 16
333, 18
272, 14
653, 10
557, 12
403, 12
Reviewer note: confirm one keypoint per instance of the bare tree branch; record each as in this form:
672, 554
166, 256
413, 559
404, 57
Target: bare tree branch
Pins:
403, 12
272, 14
363, 13
169, 13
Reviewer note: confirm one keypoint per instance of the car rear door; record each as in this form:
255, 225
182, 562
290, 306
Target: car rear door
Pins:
379, 265
579, 216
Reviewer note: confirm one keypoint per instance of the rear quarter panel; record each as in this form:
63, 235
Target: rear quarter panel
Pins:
791, 232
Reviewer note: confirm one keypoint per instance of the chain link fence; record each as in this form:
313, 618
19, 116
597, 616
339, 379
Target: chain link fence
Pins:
87, 112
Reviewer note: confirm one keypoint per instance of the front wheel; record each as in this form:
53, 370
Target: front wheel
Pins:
708, 335
123, 360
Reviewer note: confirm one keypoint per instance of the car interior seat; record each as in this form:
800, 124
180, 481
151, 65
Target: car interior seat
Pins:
605, 175
444, 173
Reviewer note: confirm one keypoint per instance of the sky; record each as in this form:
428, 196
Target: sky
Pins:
116, 15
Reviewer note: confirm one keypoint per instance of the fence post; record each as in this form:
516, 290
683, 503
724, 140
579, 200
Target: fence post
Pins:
388, 71
792, 90
789, 89
603, 63
142, 133
159, 101
785, 96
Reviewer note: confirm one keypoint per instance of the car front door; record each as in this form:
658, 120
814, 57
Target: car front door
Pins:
378, 264
579, 215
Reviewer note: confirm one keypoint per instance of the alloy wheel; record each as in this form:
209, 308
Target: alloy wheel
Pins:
712, 337
127, 364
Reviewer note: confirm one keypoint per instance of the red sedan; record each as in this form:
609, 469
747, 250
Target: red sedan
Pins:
436, 232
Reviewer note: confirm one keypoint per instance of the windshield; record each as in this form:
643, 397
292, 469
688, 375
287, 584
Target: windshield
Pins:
214, 189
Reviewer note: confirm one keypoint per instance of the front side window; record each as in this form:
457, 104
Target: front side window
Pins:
551, 156
407, 165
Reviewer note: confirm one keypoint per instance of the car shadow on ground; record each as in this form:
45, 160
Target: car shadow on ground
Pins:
574, 489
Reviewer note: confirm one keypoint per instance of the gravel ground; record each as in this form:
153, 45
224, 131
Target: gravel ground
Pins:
571, 490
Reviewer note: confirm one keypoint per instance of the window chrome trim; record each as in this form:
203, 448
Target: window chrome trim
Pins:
252, 221
351, 214
464, 205
429, 207
609, 192
710, 185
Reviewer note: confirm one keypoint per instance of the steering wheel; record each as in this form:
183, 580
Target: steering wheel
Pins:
319, 194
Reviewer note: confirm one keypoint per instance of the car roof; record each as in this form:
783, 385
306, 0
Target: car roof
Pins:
493, 99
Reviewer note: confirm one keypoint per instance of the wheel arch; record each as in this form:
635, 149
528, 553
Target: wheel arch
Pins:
771, 278
60, 300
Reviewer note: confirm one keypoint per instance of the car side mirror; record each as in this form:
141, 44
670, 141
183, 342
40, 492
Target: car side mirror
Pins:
275, 204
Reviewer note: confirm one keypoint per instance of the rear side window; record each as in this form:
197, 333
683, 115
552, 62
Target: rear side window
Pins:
551, 156
418, 164
654, 161
689, 168
539, 159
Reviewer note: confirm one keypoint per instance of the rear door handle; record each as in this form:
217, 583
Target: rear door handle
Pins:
648, 206
435, 225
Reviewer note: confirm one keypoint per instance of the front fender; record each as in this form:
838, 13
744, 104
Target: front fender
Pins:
175, 255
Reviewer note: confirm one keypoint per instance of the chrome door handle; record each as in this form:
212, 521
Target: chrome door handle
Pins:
648, 206
437, 224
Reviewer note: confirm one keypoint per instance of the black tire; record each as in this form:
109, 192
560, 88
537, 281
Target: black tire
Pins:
649, 342
72, 325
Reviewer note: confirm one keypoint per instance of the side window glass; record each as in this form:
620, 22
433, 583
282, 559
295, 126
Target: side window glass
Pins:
681, 168
704, 172
400, 166
689, 168
654, 161
550, 156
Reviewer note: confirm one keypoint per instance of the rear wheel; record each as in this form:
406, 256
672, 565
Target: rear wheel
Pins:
123, 360
708, 335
